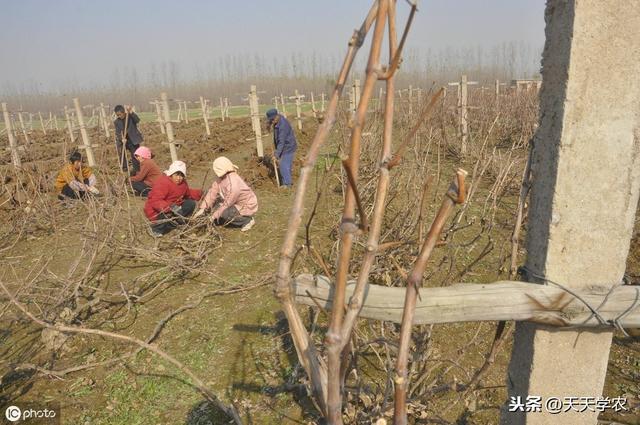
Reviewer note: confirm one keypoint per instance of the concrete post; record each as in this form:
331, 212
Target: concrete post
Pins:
275, 103
168, 126
586, 168
86, 143
255, 119
322, 102
13, 145
222, 109
203, 105
55, 121
226, 107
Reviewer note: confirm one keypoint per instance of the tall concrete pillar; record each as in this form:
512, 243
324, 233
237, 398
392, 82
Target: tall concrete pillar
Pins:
586, 178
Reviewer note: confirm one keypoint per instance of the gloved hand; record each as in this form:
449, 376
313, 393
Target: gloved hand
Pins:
176, 209
94, 190
198, 213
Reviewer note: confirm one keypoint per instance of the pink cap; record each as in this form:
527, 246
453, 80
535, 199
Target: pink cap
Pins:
143, 152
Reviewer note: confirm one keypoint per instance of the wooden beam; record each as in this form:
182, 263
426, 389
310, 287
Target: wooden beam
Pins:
504, 300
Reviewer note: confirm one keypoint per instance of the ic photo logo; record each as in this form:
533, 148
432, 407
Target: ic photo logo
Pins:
33, 413
13, 413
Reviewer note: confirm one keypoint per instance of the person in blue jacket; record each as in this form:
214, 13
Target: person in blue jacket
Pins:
285, 144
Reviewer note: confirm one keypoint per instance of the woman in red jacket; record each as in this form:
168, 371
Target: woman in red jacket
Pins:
170, 200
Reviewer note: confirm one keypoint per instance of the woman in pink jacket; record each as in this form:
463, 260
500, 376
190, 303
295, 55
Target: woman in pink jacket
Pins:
230, 199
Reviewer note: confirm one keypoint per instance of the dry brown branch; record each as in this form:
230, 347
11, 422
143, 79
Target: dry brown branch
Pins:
197, 382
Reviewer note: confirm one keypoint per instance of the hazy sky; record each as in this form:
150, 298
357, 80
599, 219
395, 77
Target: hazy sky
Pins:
56, 42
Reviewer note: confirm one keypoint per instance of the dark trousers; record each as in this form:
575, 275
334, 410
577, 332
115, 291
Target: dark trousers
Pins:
140, 188
69, 193
166, 222
231, 218
124, 163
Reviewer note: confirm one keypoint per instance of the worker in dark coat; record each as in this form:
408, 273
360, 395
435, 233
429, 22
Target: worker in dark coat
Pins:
285, 144
132, 140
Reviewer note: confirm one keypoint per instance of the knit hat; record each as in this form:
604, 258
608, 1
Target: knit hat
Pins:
143, 152
222, 166
271, 114
177, 166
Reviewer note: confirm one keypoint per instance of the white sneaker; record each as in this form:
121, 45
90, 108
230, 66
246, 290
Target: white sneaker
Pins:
248, 226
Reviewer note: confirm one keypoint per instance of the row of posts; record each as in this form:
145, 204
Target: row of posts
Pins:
100, 115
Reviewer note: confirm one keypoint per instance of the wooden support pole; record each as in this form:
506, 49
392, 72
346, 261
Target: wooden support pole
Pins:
222, 110
186, 112
55, 120
203, 105
85, 135
255, 119
179, 118
168, 126
226, 107
159, 116
23, 128
104, 120
13, 145
69, 122
322, 102
284, 106
464, 125
297, 97
313, 107
42, 126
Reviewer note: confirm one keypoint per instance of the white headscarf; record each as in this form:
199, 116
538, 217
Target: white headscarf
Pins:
222, 166
175, 167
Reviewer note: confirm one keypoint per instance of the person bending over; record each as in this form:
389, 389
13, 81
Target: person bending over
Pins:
75, 180
170, 200
142, 181
285, 144
230, 199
